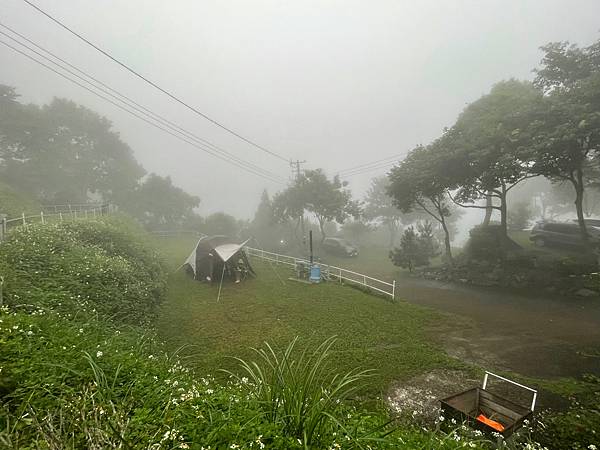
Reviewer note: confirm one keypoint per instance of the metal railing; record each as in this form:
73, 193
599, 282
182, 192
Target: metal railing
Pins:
329, 272
79, 207
6, 224
171, 233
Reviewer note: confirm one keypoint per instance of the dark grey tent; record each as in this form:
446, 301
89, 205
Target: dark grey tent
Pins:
212, 255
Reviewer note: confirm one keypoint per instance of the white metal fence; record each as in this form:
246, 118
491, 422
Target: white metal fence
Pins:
44, 217
329, 272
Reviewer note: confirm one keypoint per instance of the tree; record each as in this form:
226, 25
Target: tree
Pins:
519, 216
568, 135
288, 207
63, 152
415, 248
355, 230
221, 223
379, 206
265, 228
419, 183
312, 191
490, 151
328, 200
429, 243
157, 203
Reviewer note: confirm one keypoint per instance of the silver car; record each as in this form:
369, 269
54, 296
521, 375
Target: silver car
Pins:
340, 247
558, 233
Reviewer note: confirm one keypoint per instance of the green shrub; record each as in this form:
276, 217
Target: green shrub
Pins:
80, 266
415, 249
487, 243
582, 264
579, 426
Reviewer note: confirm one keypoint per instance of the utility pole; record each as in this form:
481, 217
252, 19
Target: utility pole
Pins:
295, 165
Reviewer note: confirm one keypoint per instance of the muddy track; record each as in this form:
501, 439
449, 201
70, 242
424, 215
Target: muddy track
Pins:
537, 336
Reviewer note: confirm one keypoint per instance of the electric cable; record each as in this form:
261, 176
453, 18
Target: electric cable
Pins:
153, 84
136, 106
207, 150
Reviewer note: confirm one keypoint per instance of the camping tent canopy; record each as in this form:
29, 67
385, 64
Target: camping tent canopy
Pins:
211, 253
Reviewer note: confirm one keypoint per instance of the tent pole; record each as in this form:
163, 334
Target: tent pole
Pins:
221, 283
311, 247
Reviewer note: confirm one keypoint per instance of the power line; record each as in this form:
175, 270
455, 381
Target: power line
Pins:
372, 163
248, 169
153, 84
136, 106
369, 169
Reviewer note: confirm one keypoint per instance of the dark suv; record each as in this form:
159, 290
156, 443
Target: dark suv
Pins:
557, 233
340, 247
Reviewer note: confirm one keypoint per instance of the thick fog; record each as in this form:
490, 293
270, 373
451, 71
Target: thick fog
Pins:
335, 83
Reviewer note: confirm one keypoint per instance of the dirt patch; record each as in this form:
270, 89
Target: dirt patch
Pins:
419, 397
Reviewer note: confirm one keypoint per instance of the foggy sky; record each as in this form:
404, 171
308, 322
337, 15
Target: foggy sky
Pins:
336, 83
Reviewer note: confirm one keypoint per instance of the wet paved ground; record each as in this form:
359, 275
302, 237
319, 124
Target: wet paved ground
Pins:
534, 335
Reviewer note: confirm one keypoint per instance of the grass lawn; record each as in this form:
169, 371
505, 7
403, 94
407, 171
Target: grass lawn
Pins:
373, 333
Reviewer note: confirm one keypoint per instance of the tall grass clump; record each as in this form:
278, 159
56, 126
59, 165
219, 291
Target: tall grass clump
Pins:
299, 389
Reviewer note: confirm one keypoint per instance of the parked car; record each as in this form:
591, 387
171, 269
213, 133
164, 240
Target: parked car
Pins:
340, 247
557, 233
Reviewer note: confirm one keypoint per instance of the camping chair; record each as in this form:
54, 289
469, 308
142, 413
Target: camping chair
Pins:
301, 270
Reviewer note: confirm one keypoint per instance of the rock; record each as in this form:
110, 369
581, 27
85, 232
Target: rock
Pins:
586, 293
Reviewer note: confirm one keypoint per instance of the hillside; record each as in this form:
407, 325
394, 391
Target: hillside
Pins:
104, 346
82, 368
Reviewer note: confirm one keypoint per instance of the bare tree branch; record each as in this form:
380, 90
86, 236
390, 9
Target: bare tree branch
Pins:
462, 205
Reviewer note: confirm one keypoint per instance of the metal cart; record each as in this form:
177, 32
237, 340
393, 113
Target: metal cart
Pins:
488, 412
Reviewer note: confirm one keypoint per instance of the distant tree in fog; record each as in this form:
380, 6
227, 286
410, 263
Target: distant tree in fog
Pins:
221, 223
157, 204
379, 207
312, 192
62, 152
419, 183
568, 135
489, 150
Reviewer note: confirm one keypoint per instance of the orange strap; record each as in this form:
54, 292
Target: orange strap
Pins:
492, 423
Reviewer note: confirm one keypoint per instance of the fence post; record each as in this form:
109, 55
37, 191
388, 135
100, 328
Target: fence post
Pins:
75, 214
340, 276
60, 216
23, 218
365, 280
3, 229
85, 213
94, 212
394, 290
42, 217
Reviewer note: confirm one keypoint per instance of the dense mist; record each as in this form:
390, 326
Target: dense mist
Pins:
338, 84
